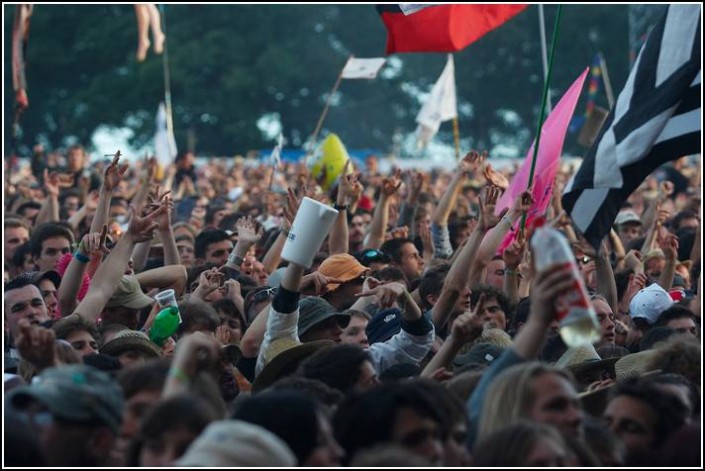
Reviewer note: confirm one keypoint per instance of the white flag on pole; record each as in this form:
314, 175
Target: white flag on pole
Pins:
363, 68
164, 142
276, 157
440, 106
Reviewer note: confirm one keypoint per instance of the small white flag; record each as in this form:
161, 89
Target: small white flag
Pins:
409, 8
164, 142
363, 68
440, 106
276, 156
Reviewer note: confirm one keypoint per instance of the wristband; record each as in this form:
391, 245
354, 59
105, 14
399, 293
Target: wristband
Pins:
177, 373
506, 219
509, 271
340, 207
80, 257
235, 260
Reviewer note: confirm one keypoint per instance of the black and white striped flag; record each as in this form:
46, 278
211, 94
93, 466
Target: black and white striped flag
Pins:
656, 119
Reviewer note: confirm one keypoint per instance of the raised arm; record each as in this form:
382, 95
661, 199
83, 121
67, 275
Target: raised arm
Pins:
470, 163
247, 236
170, 276
378, 226
92, 245
466, 328
459, 273
408, 208
512, 258
669, 245
108, 275
495, 236
338, 240
112, 176
53, 183
606, 284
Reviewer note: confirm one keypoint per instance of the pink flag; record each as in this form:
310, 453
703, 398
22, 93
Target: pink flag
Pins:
547, 160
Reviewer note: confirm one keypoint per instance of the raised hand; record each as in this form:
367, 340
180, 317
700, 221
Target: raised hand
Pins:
91, 203
114, 173
637, 282
523, 202
222, 334
231, 289
94, 243
157, 201
209, 281
515, 252
472, 161
584, 247
549, 284
669, 245
400, 232
416, 184
54, 182
36, 344
386, 294
346, 183
426, 239
195, 353
391, 185
469, 325
488, 202
247, 231
316, 283
142, 228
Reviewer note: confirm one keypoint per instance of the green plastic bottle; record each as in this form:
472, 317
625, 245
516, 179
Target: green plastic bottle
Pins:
165, 325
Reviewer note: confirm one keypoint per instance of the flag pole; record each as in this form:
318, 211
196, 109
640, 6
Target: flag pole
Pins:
606, 80
456, 130
167, 77
543, 106
456, 138
544, 59
323, 114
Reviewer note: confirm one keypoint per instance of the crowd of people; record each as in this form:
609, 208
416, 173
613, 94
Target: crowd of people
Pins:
411, 340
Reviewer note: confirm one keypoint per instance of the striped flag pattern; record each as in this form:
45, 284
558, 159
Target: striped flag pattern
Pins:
656, 119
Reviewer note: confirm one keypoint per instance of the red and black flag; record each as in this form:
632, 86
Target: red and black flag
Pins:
440, 28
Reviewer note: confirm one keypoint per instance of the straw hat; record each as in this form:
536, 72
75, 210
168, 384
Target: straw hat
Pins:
634, 364
130, 340
583, 358
286, 362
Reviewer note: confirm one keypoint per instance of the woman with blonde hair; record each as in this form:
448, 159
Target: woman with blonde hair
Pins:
532, 391
531, 444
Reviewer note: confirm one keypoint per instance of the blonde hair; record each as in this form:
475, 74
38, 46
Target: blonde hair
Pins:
496, 337
510, 397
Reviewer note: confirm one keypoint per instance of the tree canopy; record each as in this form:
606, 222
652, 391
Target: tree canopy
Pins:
230, 65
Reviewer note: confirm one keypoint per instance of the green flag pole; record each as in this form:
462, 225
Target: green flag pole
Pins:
542, 112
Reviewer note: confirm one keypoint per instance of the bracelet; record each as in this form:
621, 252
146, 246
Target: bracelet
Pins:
509, 271
340, 207
177, 373
80, 257
506, 219
235, 260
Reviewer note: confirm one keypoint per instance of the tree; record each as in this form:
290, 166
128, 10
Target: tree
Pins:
232, 64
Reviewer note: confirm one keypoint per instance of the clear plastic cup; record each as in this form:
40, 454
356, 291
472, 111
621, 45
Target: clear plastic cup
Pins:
166, 298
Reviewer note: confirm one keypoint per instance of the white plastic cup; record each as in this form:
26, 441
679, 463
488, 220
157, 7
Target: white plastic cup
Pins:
166, 298
309, 230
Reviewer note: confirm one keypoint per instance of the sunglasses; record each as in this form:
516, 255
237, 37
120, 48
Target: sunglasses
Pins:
264, 295
584, 260
374, 255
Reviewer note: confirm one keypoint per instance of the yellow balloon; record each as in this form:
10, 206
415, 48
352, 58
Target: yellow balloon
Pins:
333, 158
